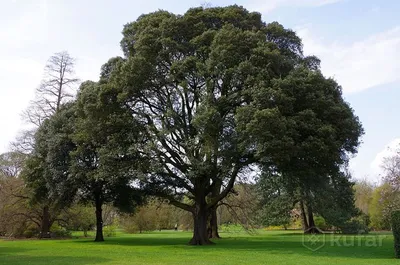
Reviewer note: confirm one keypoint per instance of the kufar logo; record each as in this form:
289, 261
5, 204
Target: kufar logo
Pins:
313, 239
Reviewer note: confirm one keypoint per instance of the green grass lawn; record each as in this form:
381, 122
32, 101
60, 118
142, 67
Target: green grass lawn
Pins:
277, 247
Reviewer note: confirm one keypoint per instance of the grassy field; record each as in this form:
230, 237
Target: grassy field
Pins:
277, 247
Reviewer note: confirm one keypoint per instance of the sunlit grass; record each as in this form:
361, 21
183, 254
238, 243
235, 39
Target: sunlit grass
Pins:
170, 247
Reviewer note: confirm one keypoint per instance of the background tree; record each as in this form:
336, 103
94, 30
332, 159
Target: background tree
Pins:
46, 169
305, 132
105, 156
381, 207
386, 199
16, 215
57, 87
241, 206
363, 191
78, 218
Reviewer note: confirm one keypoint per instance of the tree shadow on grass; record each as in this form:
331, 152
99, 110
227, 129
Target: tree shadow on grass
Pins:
14, 255
346, 247
41, 260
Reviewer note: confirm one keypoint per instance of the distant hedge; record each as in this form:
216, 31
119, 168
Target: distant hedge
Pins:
396, 232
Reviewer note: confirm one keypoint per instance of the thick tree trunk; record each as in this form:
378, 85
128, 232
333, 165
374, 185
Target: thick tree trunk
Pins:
46, 223
213, 224
303, 217
213, 220
312, 229
200, 217
99, 220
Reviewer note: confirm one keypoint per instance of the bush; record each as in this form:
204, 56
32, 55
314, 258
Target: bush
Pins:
31, 231
395, 221
321, 223
59, 232
354, 226
130, 227
110, 231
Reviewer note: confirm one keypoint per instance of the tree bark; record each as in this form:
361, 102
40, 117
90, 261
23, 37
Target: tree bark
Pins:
213, 220
99, 220
200, 217
303, 217
213, 225
46, 223
312, 229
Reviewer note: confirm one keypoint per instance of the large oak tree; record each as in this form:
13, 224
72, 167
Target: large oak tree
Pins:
186, 78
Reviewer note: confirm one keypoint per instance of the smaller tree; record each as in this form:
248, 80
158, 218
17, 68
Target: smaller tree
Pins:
78, 218
363, 191
382, 205
57, 88
395, 221
105, 157
16, 214
46, 169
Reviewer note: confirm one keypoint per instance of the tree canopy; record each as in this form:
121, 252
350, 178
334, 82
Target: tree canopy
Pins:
217, 90
196, 101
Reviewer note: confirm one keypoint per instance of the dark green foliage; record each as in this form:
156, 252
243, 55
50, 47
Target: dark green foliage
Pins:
353, 226
184, 78
277, 203
321, 223
304, 132
334, 200
46, 170
198, 99
60, 232
105, 155
396, 232
218, 90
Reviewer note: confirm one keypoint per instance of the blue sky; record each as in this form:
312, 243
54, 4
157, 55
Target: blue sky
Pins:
358, 42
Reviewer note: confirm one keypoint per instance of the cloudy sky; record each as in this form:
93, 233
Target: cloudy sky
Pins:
358, 42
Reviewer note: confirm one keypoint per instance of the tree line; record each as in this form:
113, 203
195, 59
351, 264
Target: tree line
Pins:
198, 103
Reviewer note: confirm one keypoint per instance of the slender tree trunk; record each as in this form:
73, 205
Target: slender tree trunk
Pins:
200, 218
213, 225
99, 220
312, 229
46, 223
304, 217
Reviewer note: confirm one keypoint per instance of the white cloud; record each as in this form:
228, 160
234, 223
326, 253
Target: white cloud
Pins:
362, 64
388, 151
269, 5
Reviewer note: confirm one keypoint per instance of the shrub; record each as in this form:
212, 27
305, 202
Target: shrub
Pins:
395, 221
130, 228
30, 231
321, 223
110, 231
58, 231
354, 226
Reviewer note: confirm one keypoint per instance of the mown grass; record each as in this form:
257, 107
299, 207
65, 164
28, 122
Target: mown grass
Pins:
166, 247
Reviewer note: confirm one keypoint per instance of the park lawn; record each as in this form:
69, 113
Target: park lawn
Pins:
166, 247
